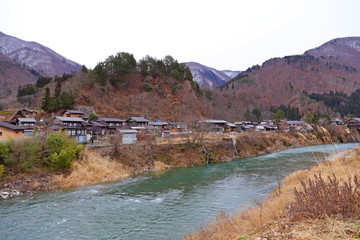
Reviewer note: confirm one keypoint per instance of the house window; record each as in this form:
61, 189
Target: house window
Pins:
16, 132
68, 114
0, 134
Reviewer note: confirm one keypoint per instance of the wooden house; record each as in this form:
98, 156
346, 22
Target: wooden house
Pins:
177, 127
112, 122
212, 126
353, 123
137, 121
28, 124
73, 126
73, 113
10, 131
230, 127
11, 114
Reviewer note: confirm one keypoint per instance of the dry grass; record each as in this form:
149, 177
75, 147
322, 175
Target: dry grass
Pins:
260, 219
91, 169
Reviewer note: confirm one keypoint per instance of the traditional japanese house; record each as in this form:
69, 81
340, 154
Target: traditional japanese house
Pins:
28, 124
137, 121
10, 131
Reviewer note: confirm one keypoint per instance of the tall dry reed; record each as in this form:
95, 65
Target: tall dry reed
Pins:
91, 169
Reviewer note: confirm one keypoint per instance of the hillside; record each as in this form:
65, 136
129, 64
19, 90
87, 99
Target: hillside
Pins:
209, 78
36, 56
288, 80
121, 87
12, 75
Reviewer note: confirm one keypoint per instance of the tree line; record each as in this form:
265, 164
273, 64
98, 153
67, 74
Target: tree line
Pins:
346, 105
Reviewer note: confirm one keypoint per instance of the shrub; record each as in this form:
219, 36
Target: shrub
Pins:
320, 199
63, 150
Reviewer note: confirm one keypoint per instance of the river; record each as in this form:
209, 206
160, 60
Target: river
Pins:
160, 205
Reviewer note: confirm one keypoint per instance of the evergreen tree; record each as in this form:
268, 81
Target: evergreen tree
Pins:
67, 100
57, 94
46, 102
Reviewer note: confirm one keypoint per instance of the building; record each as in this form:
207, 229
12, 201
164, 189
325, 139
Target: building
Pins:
28, 124
137, 121
73, 113
112, 122
73, 126
353, 123
213, 126
11, 114
177, 127
128, 136
10, 131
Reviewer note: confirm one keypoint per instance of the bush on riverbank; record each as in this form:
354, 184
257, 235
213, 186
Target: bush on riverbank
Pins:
53, 152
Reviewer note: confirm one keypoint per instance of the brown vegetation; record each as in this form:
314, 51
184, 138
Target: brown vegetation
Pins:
272, 218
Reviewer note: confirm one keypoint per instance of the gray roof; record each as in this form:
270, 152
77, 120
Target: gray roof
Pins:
106, 119
10, 126
69, 119
158, 123
74, 111
128, 131
356, 119
231, 124
213, 121
138, 119
295, 122
29, 120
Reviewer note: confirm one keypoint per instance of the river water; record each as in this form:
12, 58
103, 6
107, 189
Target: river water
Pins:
163, 205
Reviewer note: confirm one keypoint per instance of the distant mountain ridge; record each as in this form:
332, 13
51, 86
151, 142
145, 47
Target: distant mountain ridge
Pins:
36, 56
208, 77
333, 66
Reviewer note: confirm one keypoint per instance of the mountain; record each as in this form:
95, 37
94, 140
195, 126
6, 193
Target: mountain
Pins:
344, 51
333, 66
209, 77
36, 56
12, 75
230, 73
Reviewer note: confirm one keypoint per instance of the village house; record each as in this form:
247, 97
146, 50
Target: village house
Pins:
159, 125
295, 125
28, 124
177, 127
11, 114
137, 121
73, 113
353, 123
10, 131
74, 127
112, 122
230, 127
213, 126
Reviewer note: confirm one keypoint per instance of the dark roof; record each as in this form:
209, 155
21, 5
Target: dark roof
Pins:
10, 126
138, 119
73, 111
106, 119
69, 119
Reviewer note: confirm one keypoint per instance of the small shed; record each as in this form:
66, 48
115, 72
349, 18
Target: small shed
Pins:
128, 136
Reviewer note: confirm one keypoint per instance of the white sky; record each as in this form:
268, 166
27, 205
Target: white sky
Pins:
226, 34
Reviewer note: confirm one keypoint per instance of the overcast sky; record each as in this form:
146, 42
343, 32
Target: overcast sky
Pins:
226, 34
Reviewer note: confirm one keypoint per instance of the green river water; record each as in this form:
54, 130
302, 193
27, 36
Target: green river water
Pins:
164, 205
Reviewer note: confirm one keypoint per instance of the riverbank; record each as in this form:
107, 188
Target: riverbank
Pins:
325, 207
109, 164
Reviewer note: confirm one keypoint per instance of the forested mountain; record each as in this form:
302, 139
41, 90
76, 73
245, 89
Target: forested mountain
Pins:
334, 66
